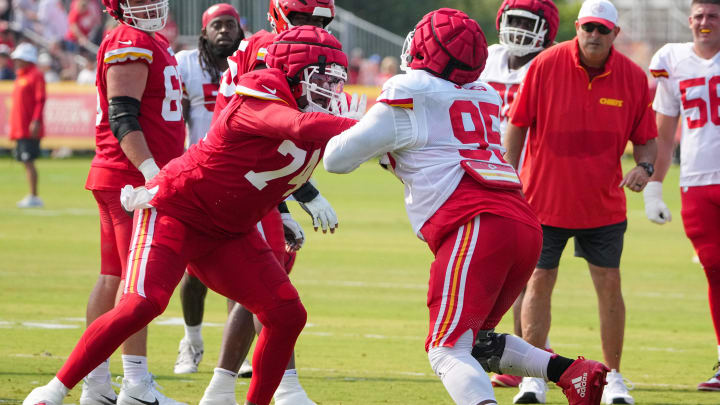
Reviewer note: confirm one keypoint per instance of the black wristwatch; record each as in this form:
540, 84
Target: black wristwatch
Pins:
649, 168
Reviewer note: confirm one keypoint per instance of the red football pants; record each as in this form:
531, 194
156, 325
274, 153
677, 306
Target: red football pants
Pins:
701, 219
243, 269
478, 272
115, 232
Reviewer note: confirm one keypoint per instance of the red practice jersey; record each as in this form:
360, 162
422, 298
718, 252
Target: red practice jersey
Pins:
260, 149
160, 109
251, 53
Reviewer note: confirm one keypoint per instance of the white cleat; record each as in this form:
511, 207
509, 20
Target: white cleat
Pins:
532, 391
616, 390
98, 394
245, 369
30, 201
290, 392
189, 356
144, 392
213, 396
44, 395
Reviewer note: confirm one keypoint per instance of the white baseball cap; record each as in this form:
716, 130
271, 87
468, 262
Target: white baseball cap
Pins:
25, 52
598, 11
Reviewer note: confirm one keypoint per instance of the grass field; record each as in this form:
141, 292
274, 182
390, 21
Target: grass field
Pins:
364, 289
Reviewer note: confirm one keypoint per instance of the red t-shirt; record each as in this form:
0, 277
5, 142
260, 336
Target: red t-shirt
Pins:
260, 149
578, 131
28, 101
160, 109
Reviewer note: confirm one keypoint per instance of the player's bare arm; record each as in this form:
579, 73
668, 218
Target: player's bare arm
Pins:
514, 141
126, 84
666, 126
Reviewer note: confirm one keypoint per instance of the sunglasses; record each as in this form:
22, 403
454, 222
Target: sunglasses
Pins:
590, 27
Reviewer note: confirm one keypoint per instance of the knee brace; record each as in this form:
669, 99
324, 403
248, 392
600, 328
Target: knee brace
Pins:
488, 349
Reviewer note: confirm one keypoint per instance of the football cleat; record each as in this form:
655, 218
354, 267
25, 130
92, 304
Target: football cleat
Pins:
44, 395
215, 395
290, 392
30, 201
713, 384
98, 394
245, 369
616, 391
143, 392
583, 382
189, 357
505, 380
532, 391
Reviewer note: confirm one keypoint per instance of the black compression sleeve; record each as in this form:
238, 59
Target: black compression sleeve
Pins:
283, 208
306, 193
123, 115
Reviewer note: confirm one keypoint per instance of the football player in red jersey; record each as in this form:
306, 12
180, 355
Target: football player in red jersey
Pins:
202, 208
525, 28
438, 125
139, 128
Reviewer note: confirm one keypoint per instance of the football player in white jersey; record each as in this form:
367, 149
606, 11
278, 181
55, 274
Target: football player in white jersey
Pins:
688, 75
439, 128
201, 70
525, 28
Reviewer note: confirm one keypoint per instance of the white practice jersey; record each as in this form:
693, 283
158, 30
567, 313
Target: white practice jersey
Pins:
503, 79
689, 86
435, 125
199, 90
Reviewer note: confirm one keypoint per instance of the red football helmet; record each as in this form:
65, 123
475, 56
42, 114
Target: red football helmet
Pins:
150, 17
280, 10
314, 63
543, 18
448, 44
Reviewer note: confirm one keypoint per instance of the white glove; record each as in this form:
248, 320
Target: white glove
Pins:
322, 213
355, 110
294, 235
137, 198
655, 207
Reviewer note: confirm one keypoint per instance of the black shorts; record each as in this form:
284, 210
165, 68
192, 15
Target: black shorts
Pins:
27, 149
599, 246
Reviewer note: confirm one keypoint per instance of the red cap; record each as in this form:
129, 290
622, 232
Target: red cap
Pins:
218, 10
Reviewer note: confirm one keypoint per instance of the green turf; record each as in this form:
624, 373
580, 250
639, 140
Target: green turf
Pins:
364, 289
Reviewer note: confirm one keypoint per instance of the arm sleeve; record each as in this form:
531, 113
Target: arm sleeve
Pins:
275, 119
381, 130
523, 110
39, 98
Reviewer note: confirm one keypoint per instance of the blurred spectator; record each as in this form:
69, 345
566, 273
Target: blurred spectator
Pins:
369, 69
26, 116
388, 68
25, 14
84, 16
88, 70
45, 64
5, 10
53, 19
7, 36
356, 59
6, 65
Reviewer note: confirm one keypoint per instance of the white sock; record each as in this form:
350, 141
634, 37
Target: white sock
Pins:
290, 371
222, 381
547, 344
135, 367
194, 334
522, 358
57, 385
462, 375
101, 373
718, 352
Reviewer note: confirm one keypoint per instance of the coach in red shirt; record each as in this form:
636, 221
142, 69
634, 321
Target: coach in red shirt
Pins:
26, 113
582, 101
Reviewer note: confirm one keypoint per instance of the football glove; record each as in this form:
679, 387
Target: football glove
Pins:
137, 198
322, 213
655, 207
294, 235
355, 110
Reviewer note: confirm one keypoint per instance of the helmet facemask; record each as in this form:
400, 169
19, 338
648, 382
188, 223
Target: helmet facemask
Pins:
520, 41
149, 17
323, 88
405, 56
